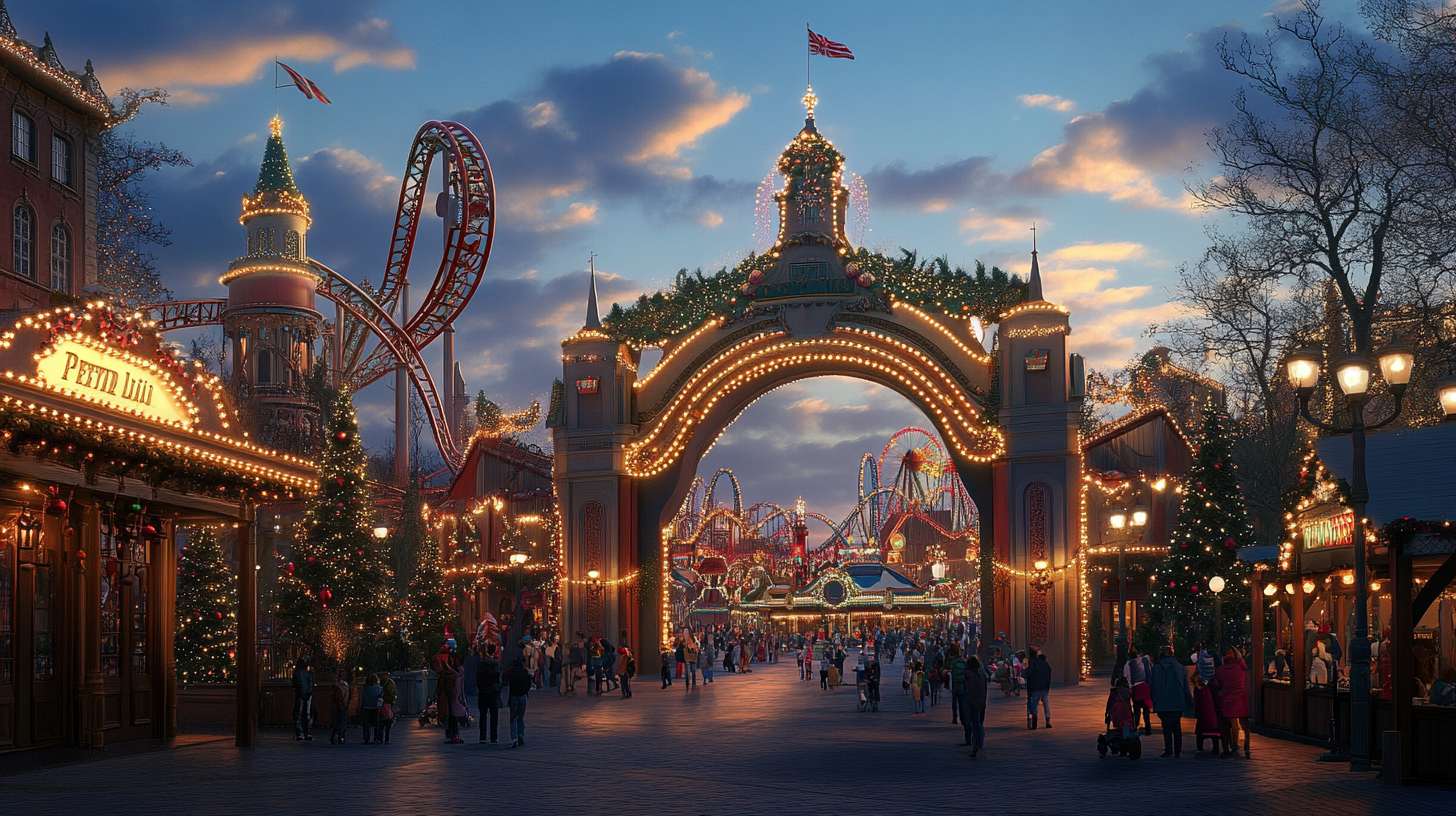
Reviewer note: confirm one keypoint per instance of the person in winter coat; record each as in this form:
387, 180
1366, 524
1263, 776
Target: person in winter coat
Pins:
1138, 670
488, 684
973, 704
1038, 677
518, 680
1207, 725
339, 701
872, 683
386, 714
302, 698
1204, 660
450, 700
1171, 696
1118, 713
369, 705
956, 666
626, 670
707, 656
1232, 696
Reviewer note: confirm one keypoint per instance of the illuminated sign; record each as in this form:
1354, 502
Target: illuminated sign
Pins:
897, 542
1036, 359
116, 380
588, 385
1335, 531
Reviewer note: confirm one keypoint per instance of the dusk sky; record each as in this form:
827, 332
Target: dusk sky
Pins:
643, 135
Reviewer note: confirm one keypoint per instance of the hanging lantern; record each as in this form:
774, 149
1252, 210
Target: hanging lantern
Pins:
28, 530
55, 505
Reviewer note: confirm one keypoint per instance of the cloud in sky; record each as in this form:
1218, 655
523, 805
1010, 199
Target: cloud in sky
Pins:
184, 47
1125, 150
1108, 318
1056, 103
997, 225
936, 189
643, 114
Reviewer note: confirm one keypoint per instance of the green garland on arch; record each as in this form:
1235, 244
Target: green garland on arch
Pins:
934, 285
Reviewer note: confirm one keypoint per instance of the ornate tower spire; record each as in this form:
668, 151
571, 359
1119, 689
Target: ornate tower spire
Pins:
1035, 294
593, 320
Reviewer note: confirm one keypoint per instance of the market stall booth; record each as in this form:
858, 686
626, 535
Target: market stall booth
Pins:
1304, 602
108, 442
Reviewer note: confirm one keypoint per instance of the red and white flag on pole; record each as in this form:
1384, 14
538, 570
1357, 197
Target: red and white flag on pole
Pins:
822, 46
305, 85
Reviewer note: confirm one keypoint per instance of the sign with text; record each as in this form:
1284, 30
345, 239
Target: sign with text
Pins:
1335, 531
111, 380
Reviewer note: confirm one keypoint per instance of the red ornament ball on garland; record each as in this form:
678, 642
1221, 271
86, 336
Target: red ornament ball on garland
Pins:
1172, 585
342, 436
1230, 543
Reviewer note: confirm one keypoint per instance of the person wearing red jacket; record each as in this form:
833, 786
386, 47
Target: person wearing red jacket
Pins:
1232, 695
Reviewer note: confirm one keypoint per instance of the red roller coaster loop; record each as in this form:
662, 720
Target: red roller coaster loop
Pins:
470, 212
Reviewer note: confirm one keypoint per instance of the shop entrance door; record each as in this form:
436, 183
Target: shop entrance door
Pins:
40, 703
136, 665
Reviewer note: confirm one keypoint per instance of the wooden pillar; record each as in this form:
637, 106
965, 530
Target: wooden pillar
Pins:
1256, 671
1300, 675
247, 711
165, 578
87, 520
1402, 633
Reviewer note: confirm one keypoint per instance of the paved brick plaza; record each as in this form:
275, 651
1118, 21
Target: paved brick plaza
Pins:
748, 743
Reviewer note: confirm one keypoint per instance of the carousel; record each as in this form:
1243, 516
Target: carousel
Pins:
849, 598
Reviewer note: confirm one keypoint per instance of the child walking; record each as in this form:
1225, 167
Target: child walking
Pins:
1118, 714
917, 688
1208, 724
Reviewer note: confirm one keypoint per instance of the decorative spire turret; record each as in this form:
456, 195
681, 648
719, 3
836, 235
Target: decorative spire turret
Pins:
275, 191
593, 319
1035, 293
89, 82
48, 54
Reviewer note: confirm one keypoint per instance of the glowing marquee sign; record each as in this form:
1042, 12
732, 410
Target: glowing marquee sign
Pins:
116, 380
1336, 531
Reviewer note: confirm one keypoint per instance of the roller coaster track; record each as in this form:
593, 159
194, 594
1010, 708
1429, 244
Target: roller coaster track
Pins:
368, 312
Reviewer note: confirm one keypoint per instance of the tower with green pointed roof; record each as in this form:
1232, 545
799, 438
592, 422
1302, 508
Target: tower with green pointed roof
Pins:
270, 316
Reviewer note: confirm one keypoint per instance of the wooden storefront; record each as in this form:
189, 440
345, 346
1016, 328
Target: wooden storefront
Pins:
109, 442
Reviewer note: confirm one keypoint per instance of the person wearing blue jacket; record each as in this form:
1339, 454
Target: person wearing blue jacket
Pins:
1171, 697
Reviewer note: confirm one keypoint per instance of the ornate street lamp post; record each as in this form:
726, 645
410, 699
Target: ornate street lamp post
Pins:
1120, 520
1352, 374
1216, 585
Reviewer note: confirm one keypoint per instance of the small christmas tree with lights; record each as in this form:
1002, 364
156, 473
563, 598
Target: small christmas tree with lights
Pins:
339, 579
206, 637
1212, 525
427, 612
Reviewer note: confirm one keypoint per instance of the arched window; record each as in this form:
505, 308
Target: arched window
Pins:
24, 230
61, 160
60, 258
22, 136
290, 244
265, 367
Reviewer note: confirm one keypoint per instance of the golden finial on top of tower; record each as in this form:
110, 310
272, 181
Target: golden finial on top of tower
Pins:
810, 100
276, 125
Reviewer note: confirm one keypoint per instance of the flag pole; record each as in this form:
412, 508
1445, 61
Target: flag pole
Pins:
275, 84
807, 54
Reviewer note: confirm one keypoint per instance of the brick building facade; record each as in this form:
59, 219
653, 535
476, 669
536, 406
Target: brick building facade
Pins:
49, 182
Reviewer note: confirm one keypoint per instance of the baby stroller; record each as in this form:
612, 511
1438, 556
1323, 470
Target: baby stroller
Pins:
1113, 741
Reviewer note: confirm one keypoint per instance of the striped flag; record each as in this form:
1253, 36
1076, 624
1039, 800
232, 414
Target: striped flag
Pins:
823, 46
305, 85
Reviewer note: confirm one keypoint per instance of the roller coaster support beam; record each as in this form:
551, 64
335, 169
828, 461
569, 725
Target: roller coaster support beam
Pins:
401, 400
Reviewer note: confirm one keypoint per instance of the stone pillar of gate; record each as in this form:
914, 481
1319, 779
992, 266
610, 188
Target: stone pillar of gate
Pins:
591, 424
1039, 483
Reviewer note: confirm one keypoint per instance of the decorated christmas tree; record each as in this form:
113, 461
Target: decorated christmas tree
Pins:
426, 595
1212, 525
206, 637
339, 579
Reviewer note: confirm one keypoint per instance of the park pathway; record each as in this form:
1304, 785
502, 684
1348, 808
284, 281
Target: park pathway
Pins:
761, 742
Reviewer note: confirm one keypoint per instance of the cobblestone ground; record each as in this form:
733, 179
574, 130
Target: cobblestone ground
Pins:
747, 743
